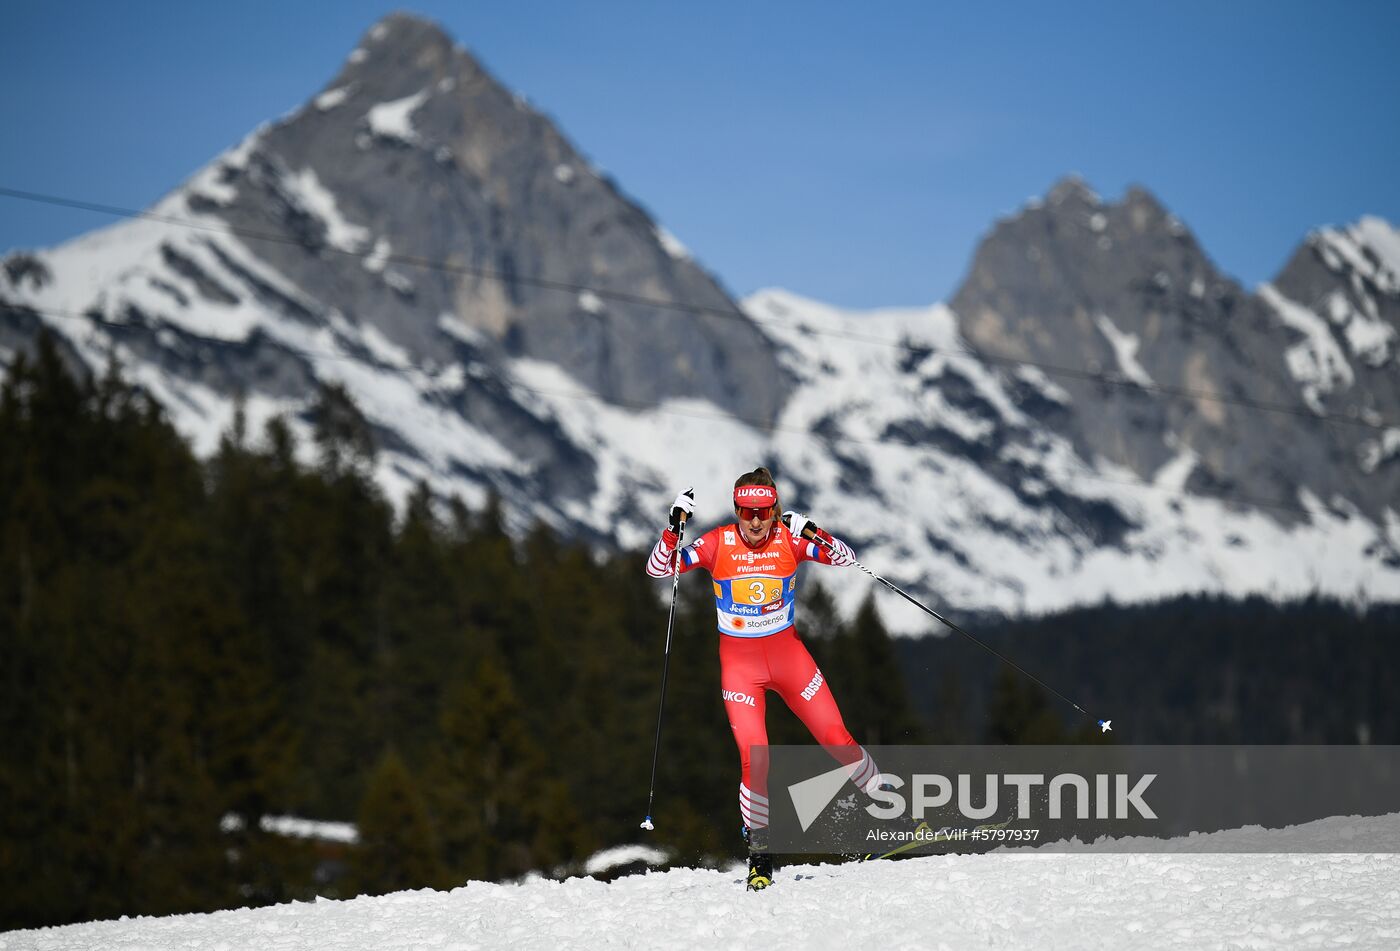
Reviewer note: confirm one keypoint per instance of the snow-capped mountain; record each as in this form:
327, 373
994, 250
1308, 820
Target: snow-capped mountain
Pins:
1098, 412
1236, 379
1341, 293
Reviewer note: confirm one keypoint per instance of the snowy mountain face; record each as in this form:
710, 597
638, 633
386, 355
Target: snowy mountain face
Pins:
1340, 295
1125, 290
374, 237
1097, 413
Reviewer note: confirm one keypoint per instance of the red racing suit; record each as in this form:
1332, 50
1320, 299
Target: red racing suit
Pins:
759, 650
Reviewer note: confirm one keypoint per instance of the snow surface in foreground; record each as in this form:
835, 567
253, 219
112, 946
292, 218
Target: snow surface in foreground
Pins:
1021, 900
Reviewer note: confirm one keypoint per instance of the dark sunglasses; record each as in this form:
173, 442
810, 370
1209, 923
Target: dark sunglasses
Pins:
748, 514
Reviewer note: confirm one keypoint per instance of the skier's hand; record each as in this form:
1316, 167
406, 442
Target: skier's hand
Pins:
799, 524
840, 553
837, 551
682, 509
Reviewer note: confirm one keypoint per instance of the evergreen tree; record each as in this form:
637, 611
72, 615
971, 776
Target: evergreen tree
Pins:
499, 809
397, 850
948, 724
872, 689
1021, 714
344, 437
342, 529
109, 542
422, 648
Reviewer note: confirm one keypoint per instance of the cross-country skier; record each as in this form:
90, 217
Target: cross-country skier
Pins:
753, 562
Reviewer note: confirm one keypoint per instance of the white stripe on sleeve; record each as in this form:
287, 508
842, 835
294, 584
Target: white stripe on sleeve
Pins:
659, 562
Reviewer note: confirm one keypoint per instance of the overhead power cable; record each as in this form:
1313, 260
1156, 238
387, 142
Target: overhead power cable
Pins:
727, 312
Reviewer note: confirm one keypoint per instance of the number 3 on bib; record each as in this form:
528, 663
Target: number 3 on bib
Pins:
761, 590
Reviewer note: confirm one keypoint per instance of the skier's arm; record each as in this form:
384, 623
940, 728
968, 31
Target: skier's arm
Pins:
808, 549
659, 562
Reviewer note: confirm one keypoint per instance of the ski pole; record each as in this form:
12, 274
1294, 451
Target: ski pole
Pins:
807, 532
666, 664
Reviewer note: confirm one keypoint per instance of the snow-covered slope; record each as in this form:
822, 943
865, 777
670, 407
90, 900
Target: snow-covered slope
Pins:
1014, 900
195, 315
941, 469
1340, 293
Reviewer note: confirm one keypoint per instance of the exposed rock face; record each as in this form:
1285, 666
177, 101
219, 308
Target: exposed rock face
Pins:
414, 214
425, 157
1339, 295
1123, 290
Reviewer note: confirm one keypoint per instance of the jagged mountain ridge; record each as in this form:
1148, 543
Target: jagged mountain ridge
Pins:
414, 140
977, 483
414, 155
1125, 288
1340, 292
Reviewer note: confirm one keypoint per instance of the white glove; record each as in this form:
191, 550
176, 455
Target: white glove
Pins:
841, 554
797, 523
685, 503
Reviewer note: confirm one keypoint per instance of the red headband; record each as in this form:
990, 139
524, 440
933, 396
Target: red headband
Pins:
755, 496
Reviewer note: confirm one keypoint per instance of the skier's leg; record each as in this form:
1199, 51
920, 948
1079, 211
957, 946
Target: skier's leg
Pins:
743, 680
805, 690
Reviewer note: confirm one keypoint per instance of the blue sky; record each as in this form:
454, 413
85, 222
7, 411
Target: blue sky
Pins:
856, 155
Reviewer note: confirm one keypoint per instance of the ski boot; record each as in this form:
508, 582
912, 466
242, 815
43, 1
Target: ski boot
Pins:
760, 874
760, 871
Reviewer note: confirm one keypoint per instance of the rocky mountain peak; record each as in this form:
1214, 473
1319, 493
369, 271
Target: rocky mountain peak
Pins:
415, 153
403, 54
1073, 255
1072, 191
408, 38
1338, 299
419, 234
1123, 289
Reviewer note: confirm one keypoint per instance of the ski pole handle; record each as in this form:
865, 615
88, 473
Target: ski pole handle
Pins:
806, 528
676, 553
681, 510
